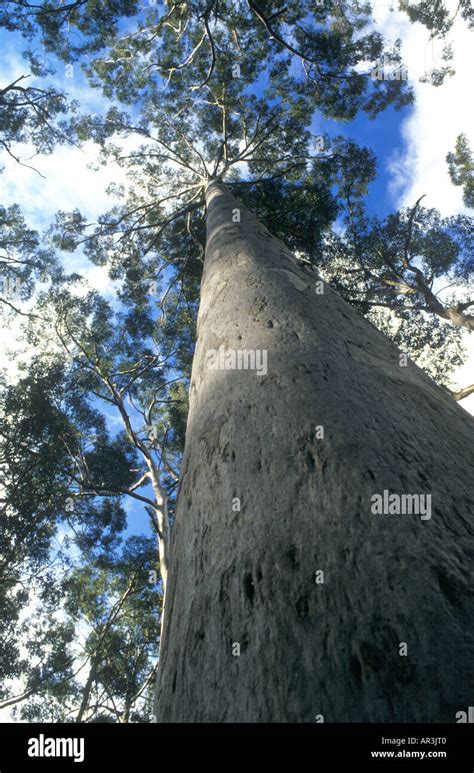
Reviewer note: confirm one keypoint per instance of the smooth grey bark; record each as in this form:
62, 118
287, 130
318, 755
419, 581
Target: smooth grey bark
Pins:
248, 577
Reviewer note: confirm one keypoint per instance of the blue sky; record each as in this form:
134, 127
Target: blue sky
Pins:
383, 136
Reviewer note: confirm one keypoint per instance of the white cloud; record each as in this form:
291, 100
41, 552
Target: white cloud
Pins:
438, 116
68, 180
68, 183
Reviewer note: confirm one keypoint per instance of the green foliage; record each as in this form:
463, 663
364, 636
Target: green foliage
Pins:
309, 52
110, 633
461, 168
24, 259
93, 22
30, 114
62, 474
435, 15
404, 263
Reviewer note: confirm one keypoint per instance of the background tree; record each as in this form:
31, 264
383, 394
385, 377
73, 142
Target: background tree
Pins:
64, 473
405, 264
105, 671
461, 168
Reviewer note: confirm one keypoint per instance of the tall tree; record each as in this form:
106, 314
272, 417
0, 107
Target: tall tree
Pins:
292, 597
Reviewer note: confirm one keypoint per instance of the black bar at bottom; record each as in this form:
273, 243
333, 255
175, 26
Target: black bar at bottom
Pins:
430, 747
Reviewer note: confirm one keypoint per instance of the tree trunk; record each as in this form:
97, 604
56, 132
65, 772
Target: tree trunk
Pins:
340, 614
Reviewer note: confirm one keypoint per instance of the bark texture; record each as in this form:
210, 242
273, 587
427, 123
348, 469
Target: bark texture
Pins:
248, 577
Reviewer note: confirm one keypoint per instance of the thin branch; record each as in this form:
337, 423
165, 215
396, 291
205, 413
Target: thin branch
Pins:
462, 393
213, 51
15, 158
